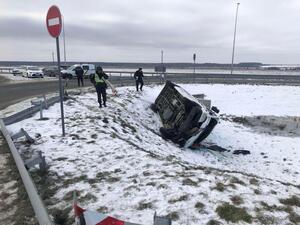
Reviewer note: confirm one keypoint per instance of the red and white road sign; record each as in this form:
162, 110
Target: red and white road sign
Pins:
53, 21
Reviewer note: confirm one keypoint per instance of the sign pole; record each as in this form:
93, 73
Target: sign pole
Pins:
60, 88
54, 25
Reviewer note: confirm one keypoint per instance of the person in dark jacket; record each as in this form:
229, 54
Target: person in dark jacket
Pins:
138, 76
99, 82
79, 73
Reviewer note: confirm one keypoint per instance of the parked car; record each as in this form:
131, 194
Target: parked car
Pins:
16, 71
88, 69
50, 71
31, 71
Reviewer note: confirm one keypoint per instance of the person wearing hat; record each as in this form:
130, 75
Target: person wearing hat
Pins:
99, 82
79, 73
138, 76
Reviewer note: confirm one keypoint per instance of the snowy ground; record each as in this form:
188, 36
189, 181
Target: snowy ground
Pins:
115, 159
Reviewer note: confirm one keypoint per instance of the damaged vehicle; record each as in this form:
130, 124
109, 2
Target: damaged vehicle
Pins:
186, 120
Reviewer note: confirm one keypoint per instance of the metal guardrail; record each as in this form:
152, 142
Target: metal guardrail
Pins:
36, 202
26, 113
6, 70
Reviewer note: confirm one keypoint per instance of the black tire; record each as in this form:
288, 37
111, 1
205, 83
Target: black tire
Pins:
215, 109
154, 108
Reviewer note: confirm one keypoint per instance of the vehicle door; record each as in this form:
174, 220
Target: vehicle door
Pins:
86, 70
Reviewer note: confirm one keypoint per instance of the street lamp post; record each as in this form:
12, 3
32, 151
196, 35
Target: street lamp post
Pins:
63, 20
194, 58
236, 17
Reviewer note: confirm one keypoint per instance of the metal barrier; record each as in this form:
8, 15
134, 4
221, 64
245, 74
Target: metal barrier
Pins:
6, 70
29, 112
36, 202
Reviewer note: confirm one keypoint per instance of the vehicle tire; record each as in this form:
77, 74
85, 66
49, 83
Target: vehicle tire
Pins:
70, 76
153, 107
215, 109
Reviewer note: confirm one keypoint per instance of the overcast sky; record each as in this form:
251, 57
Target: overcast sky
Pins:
268, 31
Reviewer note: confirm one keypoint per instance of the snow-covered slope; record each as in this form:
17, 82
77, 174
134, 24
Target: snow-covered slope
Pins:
115, 158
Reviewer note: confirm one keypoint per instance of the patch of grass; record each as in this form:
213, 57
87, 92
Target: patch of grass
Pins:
180, 199
235, 180
266, 219
199, 206
237, 200
113, 135
267, 207
145, 205
162, 186
257, 192
292, 201
151, 184
88, 197
189, 182
220, 187
60, 217
173, 216
273, 192
253, 181
113, 179
294, 218
94, 136
213, 222
231, 213
102, 209
61, 159
146, 174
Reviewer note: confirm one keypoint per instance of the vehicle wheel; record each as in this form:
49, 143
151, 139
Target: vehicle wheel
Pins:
153, 107
70, 76
215, 109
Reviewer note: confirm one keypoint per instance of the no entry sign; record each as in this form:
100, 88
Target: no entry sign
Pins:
54, 24
53, 21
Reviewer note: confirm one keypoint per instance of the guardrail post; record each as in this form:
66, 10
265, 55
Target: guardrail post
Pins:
45, 101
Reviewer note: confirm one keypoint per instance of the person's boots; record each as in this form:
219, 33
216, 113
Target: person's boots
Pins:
100, 105
104, 104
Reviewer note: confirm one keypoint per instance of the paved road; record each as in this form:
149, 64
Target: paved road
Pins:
11, 93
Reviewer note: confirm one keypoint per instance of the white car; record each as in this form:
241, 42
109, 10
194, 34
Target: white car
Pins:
88, 69
31, 71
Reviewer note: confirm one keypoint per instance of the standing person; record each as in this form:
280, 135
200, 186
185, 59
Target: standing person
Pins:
138, 76
79, 73
99, 81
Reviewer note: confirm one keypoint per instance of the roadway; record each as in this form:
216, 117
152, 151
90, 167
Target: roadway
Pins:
13, 92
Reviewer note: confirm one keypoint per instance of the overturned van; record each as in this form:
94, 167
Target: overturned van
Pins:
186, 120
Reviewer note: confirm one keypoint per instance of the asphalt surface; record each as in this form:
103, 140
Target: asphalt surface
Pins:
11, 93
14, 92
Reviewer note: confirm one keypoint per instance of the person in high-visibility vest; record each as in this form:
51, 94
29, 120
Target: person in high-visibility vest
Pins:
100, 85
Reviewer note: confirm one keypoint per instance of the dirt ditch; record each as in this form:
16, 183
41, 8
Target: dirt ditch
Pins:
288, 126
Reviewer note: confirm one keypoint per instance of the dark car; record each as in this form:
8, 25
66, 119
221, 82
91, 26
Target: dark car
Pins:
52, 71
186, 120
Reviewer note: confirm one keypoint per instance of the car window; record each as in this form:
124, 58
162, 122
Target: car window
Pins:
85, 67
33, 68
71, 67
